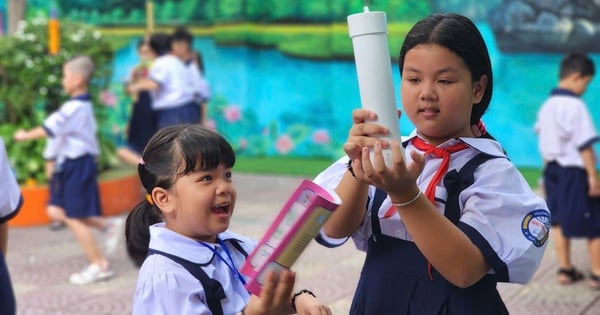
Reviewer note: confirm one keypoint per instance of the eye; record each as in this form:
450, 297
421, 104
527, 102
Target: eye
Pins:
228, 175
413, 80
205, 178
445, 81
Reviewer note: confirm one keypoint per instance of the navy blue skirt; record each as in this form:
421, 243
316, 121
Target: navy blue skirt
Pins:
188, 113
7, 295
142, 124
571, 208
74, 187
395, 281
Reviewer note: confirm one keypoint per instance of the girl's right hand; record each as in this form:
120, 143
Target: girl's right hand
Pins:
363, 133
275, 296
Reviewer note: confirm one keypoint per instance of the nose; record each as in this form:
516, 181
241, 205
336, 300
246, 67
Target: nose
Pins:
224, 187
427, 92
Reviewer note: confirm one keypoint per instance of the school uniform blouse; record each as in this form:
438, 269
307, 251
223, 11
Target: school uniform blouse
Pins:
499, 206
166, 287
73, 129
10, 193
564, 127
175, 90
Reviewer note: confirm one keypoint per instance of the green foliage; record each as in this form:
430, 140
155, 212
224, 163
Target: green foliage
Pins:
30, 87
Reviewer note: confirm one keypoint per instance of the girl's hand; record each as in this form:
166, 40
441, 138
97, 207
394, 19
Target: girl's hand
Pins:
399, 181
275, 296
594, 184
307, 304
362, 134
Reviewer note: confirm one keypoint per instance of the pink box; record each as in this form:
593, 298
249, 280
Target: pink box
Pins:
295, 227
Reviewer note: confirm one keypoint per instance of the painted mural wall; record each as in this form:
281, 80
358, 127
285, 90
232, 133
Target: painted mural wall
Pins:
283, 78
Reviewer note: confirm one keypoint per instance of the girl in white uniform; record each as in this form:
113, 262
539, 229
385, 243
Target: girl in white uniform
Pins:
189, 262
452, 217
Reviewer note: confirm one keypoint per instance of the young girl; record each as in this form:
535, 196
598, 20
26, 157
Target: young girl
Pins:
191, 260
453, 217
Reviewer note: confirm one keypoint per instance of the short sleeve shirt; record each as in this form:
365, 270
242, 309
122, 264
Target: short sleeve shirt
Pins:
166, 287
499, 205
175, 90
564, 127
73, 130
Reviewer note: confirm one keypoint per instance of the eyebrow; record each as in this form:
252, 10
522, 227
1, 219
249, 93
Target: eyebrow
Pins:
443, 70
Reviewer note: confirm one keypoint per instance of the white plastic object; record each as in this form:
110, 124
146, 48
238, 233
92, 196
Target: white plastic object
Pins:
368, 31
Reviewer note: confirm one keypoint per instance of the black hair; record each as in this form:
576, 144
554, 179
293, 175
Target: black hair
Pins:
160, 43
171, 152
576, 63
181, 34
460, 35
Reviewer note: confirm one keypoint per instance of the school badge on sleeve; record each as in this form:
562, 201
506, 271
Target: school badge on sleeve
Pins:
536, 227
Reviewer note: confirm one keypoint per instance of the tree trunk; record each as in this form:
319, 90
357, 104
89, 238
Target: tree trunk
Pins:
16, 13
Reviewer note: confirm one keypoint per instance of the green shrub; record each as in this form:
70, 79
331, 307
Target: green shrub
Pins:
30, 87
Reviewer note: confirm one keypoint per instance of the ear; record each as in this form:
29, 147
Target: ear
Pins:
163, 200
479, 89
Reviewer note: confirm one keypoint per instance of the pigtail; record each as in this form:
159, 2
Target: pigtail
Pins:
137, 232
139, 220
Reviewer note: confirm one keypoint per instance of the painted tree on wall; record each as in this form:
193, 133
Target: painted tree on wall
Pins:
208, 12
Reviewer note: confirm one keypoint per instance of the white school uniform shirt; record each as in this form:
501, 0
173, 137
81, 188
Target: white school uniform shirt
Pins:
10, 193
499, 205
197, 81
166, 287
175, 90
50, 150
73, 130
564, 127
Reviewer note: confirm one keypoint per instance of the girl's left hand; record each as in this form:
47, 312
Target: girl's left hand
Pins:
400, 180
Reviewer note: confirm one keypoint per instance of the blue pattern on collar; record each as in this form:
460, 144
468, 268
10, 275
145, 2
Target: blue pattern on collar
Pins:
561, 91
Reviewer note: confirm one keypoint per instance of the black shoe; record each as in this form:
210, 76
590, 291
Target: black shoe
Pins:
57, 225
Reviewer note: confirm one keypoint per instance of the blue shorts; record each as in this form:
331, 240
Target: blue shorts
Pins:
74, 187
188, 113
571, 208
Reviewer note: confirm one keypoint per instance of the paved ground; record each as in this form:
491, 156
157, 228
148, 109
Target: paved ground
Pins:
41, 260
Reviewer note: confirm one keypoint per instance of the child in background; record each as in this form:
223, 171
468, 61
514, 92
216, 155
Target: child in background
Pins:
566, 134
10, 203
436, 246
74, 196
182, 46
141, 124
172, 93
187, 172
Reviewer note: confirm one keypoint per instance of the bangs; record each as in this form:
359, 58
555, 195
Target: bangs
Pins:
209, 150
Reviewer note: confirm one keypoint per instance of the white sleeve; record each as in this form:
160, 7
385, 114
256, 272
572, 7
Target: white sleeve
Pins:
584, 132
175, 292
329, 179
506, 220
160, 71
66, 119
10, 192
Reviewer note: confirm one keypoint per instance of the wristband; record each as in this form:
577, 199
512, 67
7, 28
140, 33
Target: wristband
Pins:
404, 204
293, 302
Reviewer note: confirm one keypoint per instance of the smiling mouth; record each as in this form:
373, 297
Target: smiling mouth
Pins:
221, 208
429, 110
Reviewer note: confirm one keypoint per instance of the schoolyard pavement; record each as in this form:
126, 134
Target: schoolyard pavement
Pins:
41, 260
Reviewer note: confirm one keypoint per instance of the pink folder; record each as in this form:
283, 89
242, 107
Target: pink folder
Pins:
295, 227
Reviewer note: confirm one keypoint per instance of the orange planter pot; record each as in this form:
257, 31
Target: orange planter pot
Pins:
117, 196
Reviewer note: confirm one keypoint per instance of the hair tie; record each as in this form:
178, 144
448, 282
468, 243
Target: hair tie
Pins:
142, 161
478, 129
149, 199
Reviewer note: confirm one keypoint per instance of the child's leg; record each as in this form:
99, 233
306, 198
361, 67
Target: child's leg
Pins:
86, 240
562, 245
567, 273
594, 252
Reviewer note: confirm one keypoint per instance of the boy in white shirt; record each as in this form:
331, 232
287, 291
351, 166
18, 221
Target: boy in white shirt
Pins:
74, 195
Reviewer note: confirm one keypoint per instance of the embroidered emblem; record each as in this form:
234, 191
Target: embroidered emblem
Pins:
536, 227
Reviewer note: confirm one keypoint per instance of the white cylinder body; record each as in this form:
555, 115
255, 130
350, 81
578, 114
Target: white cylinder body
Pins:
368, 31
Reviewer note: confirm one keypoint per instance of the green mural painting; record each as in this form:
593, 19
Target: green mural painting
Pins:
281, 72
